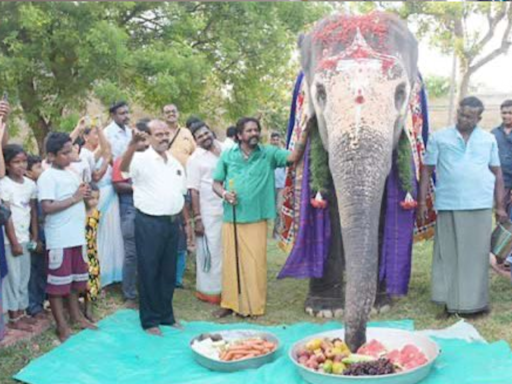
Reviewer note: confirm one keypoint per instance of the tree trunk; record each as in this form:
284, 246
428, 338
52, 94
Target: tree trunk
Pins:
40, 132
464, 84
453, 86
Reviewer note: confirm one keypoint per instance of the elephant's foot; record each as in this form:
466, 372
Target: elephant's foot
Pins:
383, 304
324, 307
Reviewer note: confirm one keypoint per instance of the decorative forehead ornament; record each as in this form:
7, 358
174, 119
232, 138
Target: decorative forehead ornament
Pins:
361, 54
362, 68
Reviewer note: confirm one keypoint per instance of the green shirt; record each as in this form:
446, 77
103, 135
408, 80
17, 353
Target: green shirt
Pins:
252, 180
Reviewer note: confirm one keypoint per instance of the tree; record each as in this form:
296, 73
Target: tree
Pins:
451, 27
437, 86
214, 59
51, 55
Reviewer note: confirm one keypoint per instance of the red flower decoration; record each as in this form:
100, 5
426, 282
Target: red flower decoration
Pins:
318, 202
409, 202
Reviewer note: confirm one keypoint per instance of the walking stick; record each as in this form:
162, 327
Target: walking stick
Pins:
237, 257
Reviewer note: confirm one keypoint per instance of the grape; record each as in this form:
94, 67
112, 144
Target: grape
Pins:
370, 368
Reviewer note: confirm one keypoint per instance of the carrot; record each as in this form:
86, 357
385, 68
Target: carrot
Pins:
254, 342
237, 347
229, 355
258, 347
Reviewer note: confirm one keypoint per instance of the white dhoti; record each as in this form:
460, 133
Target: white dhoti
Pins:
200, 167
209, 260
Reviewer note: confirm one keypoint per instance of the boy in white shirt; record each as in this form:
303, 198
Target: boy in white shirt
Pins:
20, 194
61, 193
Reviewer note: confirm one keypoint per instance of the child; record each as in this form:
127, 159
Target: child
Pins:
91, 232
20, 194
79, 165
37, 283
61, 194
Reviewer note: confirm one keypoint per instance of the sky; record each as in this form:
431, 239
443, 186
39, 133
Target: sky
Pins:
496, 76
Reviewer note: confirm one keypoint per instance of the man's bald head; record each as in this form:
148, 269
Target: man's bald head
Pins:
159, 135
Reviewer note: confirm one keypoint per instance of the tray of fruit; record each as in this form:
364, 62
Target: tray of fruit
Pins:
230, 351
391, 356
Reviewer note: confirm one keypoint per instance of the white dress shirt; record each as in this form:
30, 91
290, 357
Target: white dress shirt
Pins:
158, 186
118, 138
200, 168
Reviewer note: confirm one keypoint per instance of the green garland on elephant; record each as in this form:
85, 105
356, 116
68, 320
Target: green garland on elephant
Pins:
404, 162
319, 163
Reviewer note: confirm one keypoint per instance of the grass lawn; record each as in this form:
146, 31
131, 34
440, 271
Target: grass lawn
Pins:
285, 305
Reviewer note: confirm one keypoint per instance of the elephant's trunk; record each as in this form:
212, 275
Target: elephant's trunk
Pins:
359, 172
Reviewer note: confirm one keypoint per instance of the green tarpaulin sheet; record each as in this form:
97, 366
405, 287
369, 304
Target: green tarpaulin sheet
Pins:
120, 352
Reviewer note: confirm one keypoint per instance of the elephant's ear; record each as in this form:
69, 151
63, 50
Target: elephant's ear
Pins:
305, 49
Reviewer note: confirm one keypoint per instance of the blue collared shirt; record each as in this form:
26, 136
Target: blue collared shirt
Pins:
464, 180
505, 151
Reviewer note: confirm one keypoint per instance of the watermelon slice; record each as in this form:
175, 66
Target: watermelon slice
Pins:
372, 348
409, 357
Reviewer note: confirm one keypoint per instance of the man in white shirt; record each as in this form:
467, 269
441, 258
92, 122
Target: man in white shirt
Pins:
208, 211
230, 140
158, 187
117, 132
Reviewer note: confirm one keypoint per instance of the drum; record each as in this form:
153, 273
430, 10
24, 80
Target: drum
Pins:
501, 241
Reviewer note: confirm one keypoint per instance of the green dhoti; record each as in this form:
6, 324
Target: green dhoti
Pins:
460, 268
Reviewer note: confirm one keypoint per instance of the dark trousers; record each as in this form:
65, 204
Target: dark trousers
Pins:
506, 201
156, 239
130, 253
36, 284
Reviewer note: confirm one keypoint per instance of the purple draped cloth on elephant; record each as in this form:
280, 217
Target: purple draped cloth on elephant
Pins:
314, 233
311, 247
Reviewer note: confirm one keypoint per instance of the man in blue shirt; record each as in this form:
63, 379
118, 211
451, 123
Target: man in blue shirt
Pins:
503, 135
469, 177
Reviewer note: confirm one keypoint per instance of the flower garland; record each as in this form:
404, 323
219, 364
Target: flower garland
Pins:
320, 173
404, 161
319, 168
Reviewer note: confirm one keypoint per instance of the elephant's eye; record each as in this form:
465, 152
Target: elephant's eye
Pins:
400, 95
321, 94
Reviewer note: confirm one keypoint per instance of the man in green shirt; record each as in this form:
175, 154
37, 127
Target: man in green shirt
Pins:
244, 178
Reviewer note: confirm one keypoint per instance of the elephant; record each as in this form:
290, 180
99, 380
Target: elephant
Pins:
359, 75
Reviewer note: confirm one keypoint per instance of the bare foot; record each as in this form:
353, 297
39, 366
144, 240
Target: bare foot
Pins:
131, 304
28, 320
63, 334
155, 331
89, 316
499, 268
222, 312
86, 324
40, 316
178, 325
20, 326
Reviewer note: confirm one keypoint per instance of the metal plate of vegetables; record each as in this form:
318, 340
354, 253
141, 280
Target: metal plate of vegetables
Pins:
230, 351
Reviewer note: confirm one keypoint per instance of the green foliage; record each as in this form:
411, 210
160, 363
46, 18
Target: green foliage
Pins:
68, 122
219, 59
437, 86
52, 54
404, 163
319, 166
